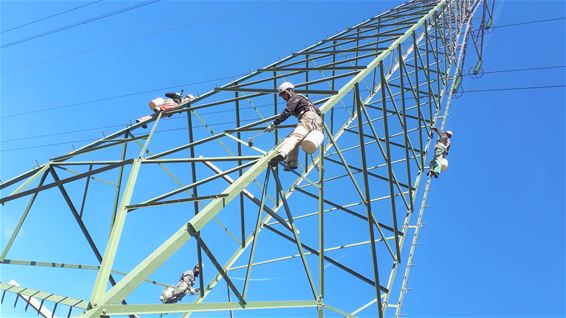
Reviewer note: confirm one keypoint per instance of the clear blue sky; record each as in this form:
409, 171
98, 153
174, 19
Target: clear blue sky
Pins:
494, 240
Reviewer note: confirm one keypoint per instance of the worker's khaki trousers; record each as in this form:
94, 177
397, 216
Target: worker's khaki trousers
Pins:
290, 149
439, 153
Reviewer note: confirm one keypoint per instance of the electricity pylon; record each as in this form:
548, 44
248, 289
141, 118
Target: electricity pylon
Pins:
338, 229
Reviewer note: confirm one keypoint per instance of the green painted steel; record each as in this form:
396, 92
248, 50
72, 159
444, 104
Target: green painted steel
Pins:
26, 291
111, 248
409, 62
22, 219
295, 234
489, 23
371, 66
177, 240
207, 307
71, 266
24, 185
255, 233
477, 67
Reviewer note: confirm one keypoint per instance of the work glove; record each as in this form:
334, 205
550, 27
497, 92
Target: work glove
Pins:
270, 128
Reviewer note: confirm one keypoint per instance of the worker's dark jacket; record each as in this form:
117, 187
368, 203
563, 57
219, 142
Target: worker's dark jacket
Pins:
443, 138
296, 106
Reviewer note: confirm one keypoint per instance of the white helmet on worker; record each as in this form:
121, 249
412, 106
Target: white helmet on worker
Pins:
285, 86
449, 133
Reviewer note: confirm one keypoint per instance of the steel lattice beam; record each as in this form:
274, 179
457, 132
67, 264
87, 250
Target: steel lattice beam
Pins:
381, 86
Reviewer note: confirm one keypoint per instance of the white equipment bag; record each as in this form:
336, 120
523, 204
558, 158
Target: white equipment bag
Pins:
312, 141
444, 164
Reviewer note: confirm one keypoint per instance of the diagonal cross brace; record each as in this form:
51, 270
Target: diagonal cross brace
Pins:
180, 237
80, 221
221, 270
295, 231
250, 196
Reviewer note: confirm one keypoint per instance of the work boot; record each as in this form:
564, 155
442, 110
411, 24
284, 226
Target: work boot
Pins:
275, 161
288, 166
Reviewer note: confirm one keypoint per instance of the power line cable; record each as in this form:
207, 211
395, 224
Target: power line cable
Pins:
207, 81
528, 22
49, 17
114, 126
112, 97
94, 139
203, 21
139, 37
513, 88
215, 112
137, 93
247, 120
524, 69
192, 24
68, 132
82, 22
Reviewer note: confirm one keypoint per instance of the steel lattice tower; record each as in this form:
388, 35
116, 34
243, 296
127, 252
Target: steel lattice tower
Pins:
381, 85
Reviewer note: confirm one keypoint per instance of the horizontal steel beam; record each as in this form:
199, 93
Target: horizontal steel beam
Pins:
70, 266
51, 297
117, 310
328, 68
176, 201
359, 170
202, 181
67, 180
381, 139
273, 91
373, 36
184, 147
24, 175
200, 159
250, 196
328, 259
352, 50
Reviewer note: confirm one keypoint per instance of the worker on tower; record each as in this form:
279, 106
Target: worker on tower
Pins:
166, 105
440, 151
184, 286
309, 118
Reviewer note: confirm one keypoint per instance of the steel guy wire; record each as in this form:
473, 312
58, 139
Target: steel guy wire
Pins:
49, 16
215, 124
79, 23
138, 37
212, 80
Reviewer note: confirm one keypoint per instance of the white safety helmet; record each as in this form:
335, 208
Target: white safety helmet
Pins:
285, 86
449, 132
